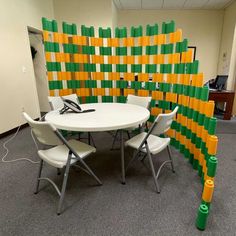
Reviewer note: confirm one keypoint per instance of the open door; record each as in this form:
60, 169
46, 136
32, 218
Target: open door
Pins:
37, 51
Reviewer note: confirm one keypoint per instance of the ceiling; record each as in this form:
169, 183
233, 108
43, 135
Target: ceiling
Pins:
172, 4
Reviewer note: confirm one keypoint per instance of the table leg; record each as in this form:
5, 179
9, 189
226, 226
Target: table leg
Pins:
229, 108
122, 156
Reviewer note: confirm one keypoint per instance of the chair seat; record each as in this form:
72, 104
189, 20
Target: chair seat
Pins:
155, 143
57, 156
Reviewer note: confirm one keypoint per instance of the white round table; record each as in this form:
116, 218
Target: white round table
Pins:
106, 117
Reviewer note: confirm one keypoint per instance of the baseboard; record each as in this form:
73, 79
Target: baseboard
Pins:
12, 131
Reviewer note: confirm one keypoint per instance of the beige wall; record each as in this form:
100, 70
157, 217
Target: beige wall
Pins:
232, 70
90, 13
114, 16
18, 89
202, 27
227, 42
227, 58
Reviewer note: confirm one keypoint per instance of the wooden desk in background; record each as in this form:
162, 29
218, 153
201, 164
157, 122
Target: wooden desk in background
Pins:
223, 96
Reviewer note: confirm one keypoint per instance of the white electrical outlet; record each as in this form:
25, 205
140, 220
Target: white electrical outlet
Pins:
23, 69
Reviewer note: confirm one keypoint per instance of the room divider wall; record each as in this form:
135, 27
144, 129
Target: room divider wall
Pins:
158, 64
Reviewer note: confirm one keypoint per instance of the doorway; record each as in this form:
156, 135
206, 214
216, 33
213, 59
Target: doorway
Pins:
39, 65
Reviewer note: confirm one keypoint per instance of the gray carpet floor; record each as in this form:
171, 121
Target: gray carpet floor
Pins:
226, 126
113, 208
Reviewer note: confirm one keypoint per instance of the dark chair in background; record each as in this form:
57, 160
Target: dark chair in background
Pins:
223, 98
219, 83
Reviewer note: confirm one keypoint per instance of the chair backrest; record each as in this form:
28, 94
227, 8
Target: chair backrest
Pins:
163, 122
139, 101
57, 103
43, 131
73, 97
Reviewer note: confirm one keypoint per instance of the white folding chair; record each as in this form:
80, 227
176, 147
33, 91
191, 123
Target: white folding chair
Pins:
135, 100
57, 103
150, 143
63, 154
139, 101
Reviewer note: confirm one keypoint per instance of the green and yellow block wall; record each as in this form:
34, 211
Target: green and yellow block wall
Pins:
158, 64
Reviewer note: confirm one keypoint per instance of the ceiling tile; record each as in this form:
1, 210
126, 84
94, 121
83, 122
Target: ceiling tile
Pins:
173, 4
217, 4
152, 4
131, 4
193, 4
117, 3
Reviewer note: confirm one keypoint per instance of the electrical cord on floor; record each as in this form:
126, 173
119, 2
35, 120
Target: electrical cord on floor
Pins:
23, 158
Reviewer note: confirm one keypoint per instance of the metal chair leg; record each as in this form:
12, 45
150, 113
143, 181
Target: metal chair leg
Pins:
128, 134
89, 138
171, 160
143, 158
90, 171
114, 140
63, 188
153, 170
134, 156
140, 128
93, 141
122, 156
146, 126
39, 175
135, 153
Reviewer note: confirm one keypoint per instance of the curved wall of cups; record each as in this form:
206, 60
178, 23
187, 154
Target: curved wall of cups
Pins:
157, 63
